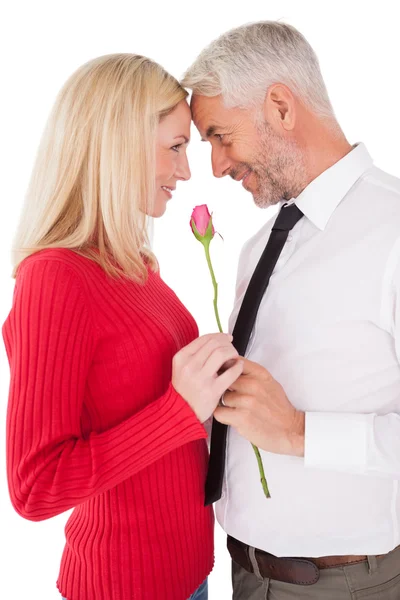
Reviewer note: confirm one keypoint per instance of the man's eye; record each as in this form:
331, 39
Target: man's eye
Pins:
219, 136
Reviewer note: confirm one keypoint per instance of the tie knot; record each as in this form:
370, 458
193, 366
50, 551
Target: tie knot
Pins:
287, 218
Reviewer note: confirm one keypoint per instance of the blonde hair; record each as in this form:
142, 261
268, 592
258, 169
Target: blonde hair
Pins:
94, 177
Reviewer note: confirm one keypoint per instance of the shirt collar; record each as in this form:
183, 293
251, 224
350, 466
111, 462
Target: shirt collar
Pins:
321, 197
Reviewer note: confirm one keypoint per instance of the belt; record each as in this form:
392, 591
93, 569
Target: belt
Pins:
301, 571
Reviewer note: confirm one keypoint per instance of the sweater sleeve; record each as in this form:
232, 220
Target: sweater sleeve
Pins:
50, 342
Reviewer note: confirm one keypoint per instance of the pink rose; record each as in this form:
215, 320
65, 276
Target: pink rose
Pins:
201, 222
203, 230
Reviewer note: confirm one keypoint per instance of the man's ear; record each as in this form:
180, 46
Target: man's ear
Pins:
280, 107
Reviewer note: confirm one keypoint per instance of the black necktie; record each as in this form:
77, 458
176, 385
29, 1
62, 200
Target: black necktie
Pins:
285, 221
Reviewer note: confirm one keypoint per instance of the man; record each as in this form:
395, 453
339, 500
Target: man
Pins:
320, 393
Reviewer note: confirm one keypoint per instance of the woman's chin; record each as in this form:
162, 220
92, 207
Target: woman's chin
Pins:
158, 210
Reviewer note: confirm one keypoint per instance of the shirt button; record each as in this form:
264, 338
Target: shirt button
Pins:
290, 237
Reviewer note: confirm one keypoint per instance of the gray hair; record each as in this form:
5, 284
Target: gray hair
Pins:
244, 62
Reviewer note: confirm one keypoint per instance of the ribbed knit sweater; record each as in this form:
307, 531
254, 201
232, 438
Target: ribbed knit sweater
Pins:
94, 423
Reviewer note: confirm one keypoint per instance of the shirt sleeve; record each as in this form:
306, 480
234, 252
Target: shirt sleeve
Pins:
366, 444
50, 342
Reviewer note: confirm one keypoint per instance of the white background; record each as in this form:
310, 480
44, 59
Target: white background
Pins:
43, 42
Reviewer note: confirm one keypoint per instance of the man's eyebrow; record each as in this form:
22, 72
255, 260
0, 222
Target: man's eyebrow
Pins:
210, 132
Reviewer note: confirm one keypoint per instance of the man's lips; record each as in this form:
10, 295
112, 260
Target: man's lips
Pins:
245, 177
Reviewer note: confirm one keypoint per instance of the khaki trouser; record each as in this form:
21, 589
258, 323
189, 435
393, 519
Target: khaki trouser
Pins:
377, 578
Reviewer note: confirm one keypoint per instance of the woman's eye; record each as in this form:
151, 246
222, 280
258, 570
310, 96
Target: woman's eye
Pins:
176, 148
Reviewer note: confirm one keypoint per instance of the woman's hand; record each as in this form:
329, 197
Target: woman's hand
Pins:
195, 372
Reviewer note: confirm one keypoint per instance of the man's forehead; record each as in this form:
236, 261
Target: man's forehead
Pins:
206, 105
208, 113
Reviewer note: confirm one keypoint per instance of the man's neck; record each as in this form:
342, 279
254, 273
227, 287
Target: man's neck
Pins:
321, 159
323, 144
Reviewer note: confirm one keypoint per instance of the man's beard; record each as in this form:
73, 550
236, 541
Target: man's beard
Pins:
278, 167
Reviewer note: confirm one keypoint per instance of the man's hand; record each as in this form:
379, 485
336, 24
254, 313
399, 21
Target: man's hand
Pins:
258, 408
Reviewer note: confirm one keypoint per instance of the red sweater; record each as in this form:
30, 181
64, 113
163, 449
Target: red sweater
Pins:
94, 423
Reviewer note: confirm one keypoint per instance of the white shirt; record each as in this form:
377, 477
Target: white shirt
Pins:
328, 329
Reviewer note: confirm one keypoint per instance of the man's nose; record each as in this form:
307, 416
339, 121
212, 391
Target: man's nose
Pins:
220, 163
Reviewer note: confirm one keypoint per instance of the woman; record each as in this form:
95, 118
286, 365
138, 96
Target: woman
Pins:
110, 383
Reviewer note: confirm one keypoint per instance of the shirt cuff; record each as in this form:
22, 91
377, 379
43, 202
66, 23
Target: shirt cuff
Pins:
337, 440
